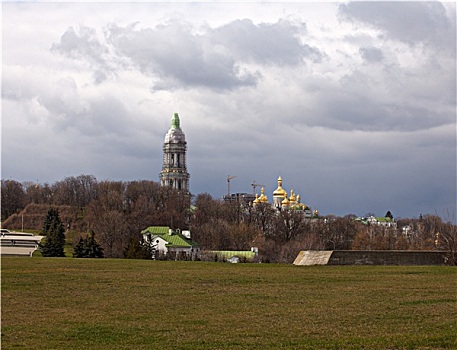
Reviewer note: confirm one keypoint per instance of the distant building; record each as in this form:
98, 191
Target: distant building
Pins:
174, 170
386, 221
244, 198
164, 241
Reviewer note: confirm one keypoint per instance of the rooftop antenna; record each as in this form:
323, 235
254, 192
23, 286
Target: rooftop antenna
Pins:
228, 184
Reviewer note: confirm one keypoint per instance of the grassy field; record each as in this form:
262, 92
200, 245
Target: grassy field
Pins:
52, 303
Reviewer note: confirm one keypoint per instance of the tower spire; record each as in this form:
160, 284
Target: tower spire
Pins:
175, 122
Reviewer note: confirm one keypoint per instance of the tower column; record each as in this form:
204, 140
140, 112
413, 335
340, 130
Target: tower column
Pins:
174, 171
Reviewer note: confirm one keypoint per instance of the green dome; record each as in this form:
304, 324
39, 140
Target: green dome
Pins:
175, 122
175, 134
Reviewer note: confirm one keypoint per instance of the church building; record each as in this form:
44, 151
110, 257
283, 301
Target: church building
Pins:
281, 201
174, 170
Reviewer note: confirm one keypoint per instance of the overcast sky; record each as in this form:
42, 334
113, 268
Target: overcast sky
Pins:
353, 104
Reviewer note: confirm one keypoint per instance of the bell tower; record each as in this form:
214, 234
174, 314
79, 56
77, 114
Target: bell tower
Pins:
174, 170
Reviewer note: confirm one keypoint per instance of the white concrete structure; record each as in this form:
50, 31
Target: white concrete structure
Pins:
313, 257
18, 243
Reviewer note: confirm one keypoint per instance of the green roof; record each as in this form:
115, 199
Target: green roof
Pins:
156, 230
239, 253
384, 219
178, 240
174, 240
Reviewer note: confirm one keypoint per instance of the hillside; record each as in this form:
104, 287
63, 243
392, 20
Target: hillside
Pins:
32, 216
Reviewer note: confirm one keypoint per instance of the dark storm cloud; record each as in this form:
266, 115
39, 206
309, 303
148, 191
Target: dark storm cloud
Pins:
410, 22
347, 112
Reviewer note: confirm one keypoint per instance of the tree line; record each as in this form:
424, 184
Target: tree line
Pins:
114, 212
281, 235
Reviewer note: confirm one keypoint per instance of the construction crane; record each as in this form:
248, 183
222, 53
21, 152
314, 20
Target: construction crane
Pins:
228, 184
255, 185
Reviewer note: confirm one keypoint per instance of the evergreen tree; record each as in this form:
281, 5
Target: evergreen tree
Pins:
55, 235
52, 212
137, 249
88, 248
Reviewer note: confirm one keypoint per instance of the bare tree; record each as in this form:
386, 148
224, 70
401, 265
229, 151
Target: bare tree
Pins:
242, 236
262, 216
446, 239
287, 225
105, 216
207, 209
12, 198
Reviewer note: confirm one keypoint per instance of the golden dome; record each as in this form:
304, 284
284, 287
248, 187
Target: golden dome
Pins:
262, 197
298, 198
285, 202
280, 192
292, 197
256, 200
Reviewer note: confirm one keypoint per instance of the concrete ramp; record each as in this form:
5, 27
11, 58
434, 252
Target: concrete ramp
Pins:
313, 257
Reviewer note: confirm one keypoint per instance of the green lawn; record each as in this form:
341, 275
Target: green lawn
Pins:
65, 303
